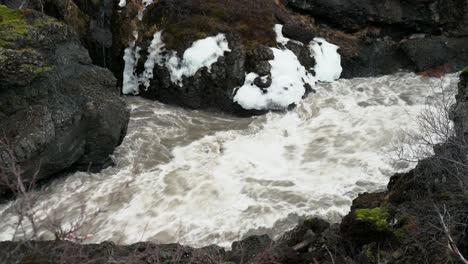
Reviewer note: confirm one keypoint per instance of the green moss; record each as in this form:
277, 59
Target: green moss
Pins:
36, 69
44, 69
18, 24
28, 51
377, 216
12, 25
465, 70
372, 252
401, 232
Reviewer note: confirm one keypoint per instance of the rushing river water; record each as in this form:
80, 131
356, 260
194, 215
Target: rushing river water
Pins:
202, 178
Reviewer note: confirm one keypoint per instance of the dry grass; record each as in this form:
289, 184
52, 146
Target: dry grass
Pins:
185, 21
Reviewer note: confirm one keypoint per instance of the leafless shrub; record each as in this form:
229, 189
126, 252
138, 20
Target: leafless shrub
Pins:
29, 226
446, 221
437, 143
11, 178
434, 126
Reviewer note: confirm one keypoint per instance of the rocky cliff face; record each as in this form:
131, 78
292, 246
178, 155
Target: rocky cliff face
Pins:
57, 110
425, 16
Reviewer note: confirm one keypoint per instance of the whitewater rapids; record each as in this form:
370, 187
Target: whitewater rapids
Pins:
201, 178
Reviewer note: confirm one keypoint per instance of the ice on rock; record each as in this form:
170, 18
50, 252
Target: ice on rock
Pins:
154, 57
131, 81
328, 60
287, 87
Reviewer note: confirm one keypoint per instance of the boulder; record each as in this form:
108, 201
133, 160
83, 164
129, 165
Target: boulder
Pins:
59, 111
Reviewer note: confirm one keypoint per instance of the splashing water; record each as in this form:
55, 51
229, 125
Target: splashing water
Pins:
201, 178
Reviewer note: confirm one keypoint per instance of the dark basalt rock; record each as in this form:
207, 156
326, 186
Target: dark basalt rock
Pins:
298, 32
380, 38
15, 3
257, 60
429, 16
303, 54
91, 19
428, 53
459, 113
59, 111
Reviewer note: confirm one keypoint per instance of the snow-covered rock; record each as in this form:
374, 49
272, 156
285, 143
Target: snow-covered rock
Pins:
145, 3
280, 38
289, 78
328, 60
202, 53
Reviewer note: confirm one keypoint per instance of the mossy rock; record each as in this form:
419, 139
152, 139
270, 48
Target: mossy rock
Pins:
45, 69
12, 26
26, 40
377, 216
465, 70
19, 25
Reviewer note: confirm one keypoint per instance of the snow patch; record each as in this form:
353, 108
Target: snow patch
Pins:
328, 60
145, 3
202, 53
287, 87
280, 38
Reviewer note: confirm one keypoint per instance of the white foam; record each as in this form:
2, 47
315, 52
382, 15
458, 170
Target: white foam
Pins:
328, 60
287, 87
123, 3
